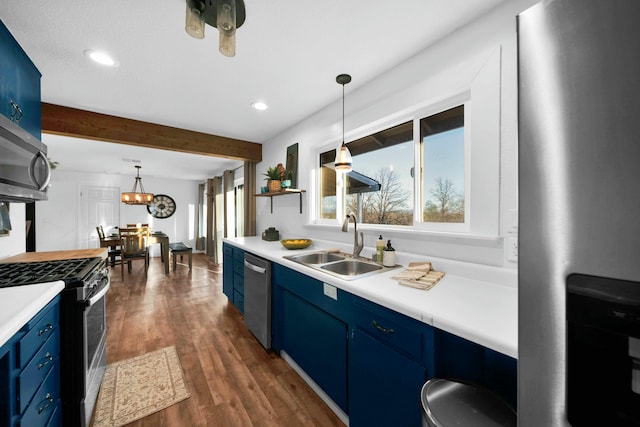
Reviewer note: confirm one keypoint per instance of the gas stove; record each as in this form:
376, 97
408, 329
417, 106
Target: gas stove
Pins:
71, 271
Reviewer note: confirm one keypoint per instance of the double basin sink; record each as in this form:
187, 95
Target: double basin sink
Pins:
339, 264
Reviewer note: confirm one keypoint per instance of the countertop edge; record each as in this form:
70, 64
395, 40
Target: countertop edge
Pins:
19, 304
441, 307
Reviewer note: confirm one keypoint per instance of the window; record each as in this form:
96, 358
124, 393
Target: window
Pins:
443, 167
381, 187
441, 141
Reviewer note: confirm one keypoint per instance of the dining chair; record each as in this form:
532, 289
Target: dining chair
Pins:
134, 244
113, 254
136, 225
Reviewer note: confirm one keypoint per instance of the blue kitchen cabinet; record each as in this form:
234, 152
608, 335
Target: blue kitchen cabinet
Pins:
390, 358
233, 275
384, 384
307, 329
227, 271
30, 372
19, 85
460, 359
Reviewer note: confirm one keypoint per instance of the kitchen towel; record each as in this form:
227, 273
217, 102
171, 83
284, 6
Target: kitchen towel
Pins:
419, 275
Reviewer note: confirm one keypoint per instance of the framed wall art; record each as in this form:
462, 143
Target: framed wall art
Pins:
292, 165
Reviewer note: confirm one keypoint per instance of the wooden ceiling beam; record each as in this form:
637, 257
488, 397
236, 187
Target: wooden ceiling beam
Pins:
60, 120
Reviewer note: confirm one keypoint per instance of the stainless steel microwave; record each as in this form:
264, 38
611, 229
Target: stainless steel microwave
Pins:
24, 167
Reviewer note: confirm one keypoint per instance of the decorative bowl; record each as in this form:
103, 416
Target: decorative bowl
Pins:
295, 243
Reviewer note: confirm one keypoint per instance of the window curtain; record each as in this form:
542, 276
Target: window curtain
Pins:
201, 220
229, 204
249, 199
215, 218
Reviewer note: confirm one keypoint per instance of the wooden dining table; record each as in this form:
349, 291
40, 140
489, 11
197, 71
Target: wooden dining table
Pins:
163, 239
113, 241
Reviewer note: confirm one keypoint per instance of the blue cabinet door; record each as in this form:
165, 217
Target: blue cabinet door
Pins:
384, 385
317, 342
227, 271
20, 84
463, 360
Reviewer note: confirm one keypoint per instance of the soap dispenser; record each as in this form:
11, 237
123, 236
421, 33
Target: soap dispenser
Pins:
389, 257
379, 250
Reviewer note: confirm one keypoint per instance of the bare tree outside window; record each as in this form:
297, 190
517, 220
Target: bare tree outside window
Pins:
386, 206
446, 203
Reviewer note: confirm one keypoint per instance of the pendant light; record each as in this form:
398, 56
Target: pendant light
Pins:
225, 15
343, 162
136, 197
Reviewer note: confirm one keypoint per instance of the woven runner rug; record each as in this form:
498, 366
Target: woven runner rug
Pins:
137, 387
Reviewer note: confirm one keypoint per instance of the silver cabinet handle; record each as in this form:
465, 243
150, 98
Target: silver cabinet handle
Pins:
255, 268
48, 358
48, 400
45, 330
382, 328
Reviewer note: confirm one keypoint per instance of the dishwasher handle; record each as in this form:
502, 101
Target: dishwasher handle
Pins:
255, 268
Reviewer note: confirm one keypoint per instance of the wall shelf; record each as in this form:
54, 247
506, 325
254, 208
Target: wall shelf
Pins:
271, 194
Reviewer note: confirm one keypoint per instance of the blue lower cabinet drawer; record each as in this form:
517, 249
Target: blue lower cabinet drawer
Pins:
56, 418
238, 283
38, 334
238, 301
37, 369
393, 328
227, 250
44, 402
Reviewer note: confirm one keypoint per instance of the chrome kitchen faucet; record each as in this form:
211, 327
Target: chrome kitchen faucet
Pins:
357, 246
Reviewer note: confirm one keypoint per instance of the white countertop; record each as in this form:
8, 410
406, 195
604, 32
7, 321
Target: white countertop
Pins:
483, 310
18, 304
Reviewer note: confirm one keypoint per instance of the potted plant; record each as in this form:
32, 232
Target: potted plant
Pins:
273, 177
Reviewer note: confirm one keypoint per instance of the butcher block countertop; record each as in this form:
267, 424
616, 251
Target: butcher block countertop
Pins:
57, 255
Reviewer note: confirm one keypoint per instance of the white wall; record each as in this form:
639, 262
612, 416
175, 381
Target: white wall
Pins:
406, 86
57, 218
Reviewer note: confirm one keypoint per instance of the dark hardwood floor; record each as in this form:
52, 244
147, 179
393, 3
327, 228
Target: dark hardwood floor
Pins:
233, 381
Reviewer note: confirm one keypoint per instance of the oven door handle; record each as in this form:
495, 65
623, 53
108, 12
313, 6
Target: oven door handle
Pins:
94, 299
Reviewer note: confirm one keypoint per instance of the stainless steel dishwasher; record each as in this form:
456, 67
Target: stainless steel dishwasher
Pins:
257, 298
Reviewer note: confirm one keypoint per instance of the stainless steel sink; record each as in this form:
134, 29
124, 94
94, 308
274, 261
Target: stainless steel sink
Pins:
339, 264
316, 257
351, 267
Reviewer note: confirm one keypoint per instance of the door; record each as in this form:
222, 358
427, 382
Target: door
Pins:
98, 206
317, 342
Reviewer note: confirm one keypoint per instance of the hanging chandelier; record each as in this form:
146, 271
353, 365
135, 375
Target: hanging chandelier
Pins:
225, 15
136, 197
343, 162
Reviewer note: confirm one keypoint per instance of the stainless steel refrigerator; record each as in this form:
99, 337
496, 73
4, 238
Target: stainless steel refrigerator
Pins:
579, 213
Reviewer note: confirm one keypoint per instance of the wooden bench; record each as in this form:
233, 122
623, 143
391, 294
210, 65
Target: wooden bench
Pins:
180, 248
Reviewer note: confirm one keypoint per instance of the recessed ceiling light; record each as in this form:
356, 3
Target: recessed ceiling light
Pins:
259, 106
101, 58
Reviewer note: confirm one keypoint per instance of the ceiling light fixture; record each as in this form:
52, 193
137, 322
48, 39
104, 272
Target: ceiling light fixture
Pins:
343, 162
261, 106
225, 15
136, 197
101, 58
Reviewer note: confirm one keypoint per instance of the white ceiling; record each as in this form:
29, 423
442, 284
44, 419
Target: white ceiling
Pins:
288, 54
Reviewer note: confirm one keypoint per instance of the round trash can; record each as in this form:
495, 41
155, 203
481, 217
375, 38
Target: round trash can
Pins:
448, 403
